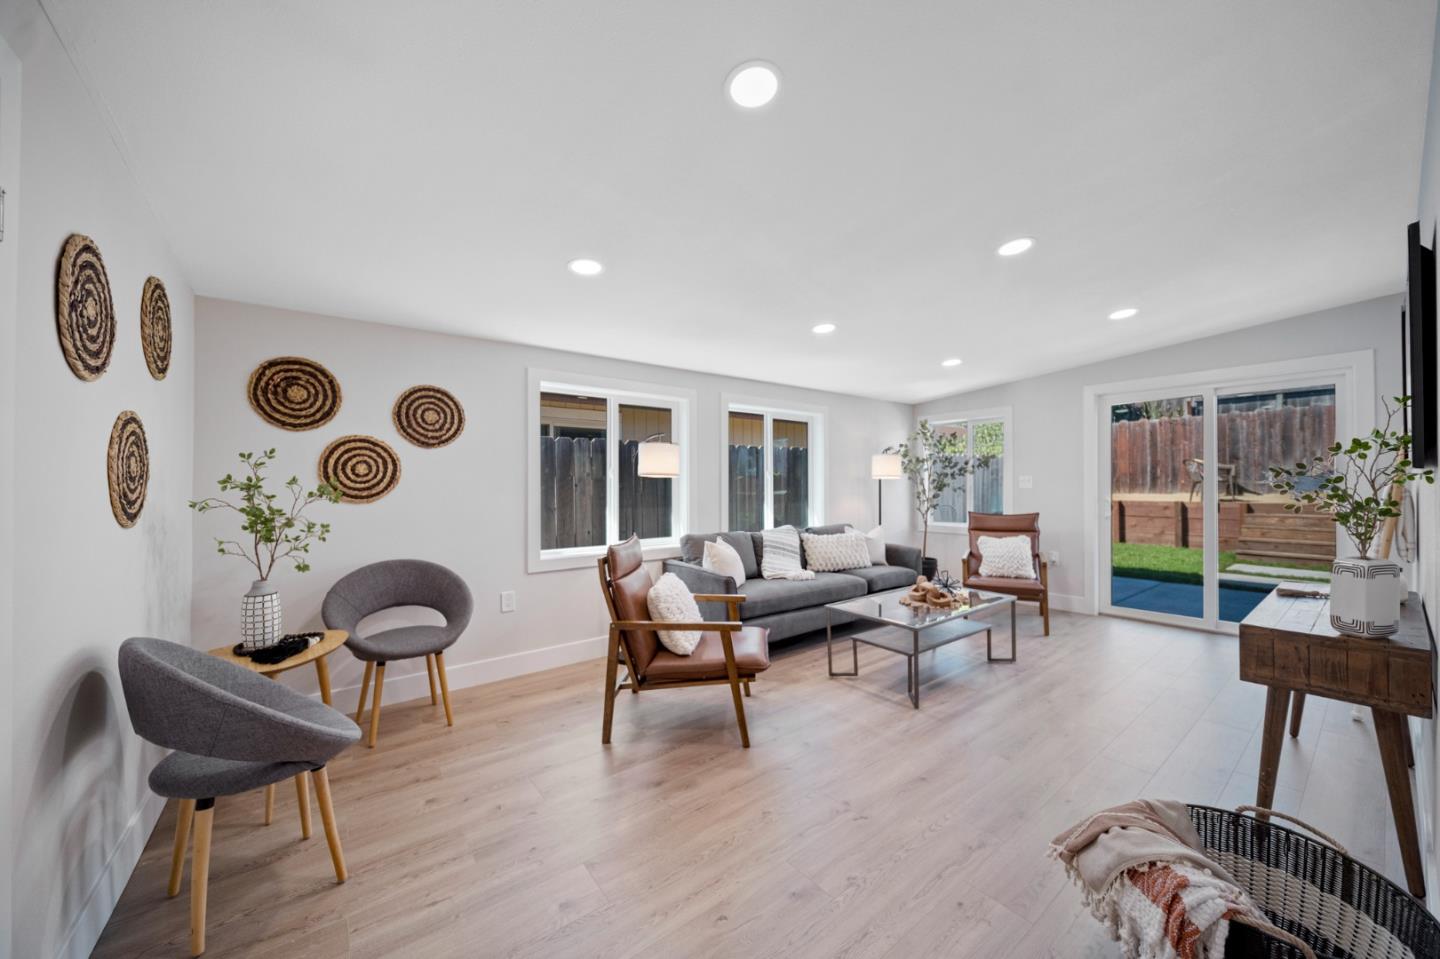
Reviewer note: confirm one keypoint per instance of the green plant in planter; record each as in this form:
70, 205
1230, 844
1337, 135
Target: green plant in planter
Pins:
934, 462
1352, 482
273, 533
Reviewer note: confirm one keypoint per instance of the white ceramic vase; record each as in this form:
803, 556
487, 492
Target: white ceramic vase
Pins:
260, 616
1365, 596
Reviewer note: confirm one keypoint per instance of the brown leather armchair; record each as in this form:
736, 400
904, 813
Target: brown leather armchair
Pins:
1009, 524
728, 652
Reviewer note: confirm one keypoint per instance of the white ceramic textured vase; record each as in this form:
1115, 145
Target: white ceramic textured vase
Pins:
260, 616
1365, 596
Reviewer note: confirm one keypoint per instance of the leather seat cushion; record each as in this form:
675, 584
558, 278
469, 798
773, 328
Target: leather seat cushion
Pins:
766, 596
752, 655
879, 578
404, 642
1013, 587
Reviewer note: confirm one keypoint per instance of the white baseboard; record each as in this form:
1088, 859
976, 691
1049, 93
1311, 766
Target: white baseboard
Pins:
105, 892
1069, 603
415, 683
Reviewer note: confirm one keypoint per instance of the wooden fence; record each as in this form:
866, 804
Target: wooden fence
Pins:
747, 487
572, 494
1148, 455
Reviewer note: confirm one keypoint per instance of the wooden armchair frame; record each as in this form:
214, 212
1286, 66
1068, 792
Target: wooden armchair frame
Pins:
619, 652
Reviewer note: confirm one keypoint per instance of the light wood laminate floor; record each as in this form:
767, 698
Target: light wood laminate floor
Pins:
855, 827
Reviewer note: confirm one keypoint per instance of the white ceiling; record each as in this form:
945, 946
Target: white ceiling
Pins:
436, 164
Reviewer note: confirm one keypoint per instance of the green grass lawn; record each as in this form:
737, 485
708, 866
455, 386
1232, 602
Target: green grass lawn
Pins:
1177, 564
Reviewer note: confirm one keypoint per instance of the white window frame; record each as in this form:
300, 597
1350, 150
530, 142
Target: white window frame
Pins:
995, 414
812, 416
617, 392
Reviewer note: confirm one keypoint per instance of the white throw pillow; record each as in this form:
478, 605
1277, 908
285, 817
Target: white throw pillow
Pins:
830, 553
720, 557
875, 541
1008, 557
671, 601
780, 554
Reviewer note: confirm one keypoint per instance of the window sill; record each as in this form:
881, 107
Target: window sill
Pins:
951, 529
584, 557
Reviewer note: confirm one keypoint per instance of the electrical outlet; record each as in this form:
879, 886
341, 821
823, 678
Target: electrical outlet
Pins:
1052, 557
507, 601
1027, 482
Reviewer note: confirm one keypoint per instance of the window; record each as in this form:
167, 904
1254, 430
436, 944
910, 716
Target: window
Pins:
586, 489
772, 468
984, 491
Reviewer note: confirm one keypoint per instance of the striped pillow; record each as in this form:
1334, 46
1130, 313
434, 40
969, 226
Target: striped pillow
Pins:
780, 555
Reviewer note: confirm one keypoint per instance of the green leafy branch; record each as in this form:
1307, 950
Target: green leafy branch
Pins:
275, 531
1356, 480
934, 461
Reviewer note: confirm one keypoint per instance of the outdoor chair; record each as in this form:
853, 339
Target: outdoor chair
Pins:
1035, 590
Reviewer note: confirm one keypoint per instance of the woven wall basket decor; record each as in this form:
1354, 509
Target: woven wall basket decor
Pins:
294, 393
84, 311
362, 468
428, 416
155, 327
127, 468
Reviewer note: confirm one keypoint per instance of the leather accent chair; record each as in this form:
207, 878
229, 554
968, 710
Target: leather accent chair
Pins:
1035, 590
728, 652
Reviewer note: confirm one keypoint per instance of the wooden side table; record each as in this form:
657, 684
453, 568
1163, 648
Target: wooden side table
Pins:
1286, 644
331, 641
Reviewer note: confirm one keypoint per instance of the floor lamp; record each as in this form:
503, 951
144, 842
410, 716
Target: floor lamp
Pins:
883, 466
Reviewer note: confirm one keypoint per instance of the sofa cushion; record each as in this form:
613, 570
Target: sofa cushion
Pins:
692, 549
879, 578
766, 596
752, 655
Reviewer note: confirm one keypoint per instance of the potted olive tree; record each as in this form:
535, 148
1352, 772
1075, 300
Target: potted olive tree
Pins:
273, 534
1359, 485
934, 461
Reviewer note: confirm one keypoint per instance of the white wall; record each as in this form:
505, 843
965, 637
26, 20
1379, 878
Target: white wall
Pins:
463, 505
9, 269
81, 809
1048, 438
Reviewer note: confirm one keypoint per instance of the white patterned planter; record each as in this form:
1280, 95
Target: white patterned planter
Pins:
1365, 597
260, 616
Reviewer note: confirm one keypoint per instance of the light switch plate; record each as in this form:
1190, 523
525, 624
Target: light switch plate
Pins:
507, 601
1027, 482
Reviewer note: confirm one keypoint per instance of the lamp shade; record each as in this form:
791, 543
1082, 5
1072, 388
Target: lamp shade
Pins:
659, 460
885, 466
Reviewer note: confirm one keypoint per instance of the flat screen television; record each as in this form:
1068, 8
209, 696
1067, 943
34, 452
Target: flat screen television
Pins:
1420, 347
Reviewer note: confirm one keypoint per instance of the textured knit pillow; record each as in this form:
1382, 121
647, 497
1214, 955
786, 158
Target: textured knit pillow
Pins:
671, 601
1007, 557
780, 554
720, 557
875, 541
835, 551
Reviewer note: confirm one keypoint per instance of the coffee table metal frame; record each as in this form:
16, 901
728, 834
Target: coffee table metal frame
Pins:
923, 632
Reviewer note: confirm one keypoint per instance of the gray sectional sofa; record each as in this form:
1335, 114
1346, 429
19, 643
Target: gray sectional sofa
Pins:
787, 607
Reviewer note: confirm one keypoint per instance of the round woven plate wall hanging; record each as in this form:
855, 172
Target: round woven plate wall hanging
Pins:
155, 327
84, 311
294, 393
429, 416
127, 468
362, 468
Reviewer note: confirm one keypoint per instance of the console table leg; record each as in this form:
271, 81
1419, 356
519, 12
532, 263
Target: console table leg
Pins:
1296, 712
1277, 704
1391, 732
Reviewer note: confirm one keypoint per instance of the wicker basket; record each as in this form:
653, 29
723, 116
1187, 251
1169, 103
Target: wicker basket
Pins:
1313, 891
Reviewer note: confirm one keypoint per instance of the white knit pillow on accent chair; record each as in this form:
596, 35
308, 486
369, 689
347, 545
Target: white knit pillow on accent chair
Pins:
671, 601
832, 552
1006, 557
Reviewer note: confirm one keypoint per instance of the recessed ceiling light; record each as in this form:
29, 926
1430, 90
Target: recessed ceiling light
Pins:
585, 267
823, 328
1016, 246
753, 84
1124, 314
953, 361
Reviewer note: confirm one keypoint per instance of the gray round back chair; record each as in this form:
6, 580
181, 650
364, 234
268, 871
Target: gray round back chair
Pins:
386, 585
232, 731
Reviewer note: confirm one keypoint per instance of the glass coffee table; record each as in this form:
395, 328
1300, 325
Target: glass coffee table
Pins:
912, 630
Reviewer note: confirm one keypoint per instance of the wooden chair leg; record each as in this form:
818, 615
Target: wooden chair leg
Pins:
430, 672
1045, 610
747, 687
735, 692
444, 688
375, 706
269, 804
611, 669
185, 816
364, 691
327, 817
200, 873
1297, 712
302, 796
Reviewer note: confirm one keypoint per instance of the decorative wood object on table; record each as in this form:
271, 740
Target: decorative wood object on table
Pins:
1287, 644
331, 641
428, 416
294, 393
155, 327
362, 468
127, 468
84, 310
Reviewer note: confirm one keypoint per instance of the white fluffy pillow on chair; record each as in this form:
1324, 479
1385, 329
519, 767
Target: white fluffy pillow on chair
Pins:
671, 601
1006, 557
